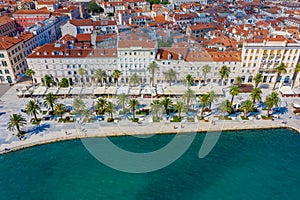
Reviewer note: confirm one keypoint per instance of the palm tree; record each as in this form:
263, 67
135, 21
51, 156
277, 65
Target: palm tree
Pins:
271, 101
64, 83
100, 106
78, 105
180, 107
224, 73
234, 91
281, 69
188, 96
60, 109
133, 103
122, 100
238, 80
170, 75
81, 72
109, 108
204, 100
16, 121
156, 107
247, 106
32, 108
167, 103
50, 100
152, 68
134, 79
116, 74
295, 75
257, 79
189, 80
48, 80
256, 95
100, 75
225, 106
30, 73
87, 115
212, 98
206, 69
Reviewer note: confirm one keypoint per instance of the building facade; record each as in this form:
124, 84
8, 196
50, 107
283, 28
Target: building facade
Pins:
265, 56
7, 26
12, 59
27, 18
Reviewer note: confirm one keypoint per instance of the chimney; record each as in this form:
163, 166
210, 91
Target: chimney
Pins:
93, 39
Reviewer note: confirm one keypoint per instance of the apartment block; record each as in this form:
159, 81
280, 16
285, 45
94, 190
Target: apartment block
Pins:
264, 56
12, 59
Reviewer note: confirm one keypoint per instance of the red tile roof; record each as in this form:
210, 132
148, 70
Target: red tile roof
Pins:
8, 42
5, 19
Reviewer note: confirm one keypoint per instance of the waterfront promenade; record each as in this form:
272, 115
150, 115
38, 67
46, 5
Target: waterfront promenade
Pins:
52, 131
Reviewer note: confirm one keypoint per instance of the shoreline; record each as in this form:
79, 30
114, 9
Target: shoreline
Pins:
24, 144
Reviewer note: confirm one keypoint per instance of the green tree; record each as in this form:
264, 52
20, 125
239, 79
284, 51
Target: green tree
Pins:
256, 95
82, 73
281, 69
156, 107
60, 109
180, 107
133, 104
100, 106
134, 79
206, 69
116, 74
49, 101
166, 102
78, 105
212, 98
109, 108
48, 80
170, 76
271, 101
189, 80
234, 91
204, 101
225, 107
247, 106
257, 79
188, 96
16, 121
295, 75
32, 108
93, 7
122, 99
224, 73
87, 115
30, 73
64, 83
100, 75
238, 80
152, 68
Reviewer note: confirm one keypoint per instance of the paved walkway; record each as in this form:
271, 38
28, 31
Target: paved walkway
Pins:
51, 131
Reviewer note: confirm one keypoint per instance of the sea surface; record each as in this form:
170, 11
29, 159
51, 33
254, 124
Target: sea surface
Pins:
262, 164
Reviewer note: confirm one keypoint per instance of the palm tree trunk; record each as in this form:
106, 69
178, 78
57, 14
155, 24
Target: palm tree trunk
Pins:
294, 79
269, 112
204, 78
19, 130
202, 110
232, 100
276, 81
34, 114
133, 114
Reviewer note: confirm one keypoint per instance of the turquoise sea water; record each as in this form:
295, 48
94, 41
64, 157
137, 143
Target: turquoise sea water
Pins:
262, 164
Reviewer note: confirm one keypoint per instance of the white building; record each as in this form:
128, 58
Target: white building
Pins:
265, 56
12, 59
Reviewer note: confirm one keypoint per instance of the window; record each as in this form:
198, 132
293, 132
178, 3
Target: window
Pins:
4, 63
6, 71
1, 55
